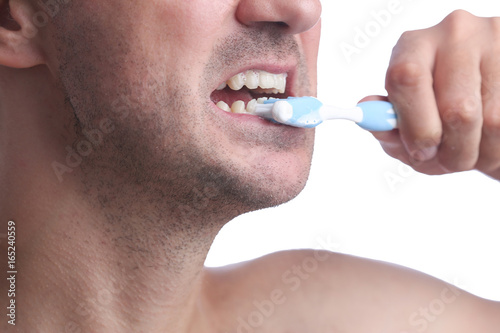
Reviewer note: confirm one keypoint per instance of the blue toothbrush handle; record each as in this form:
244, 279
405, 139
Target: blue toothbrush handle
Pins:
378, 116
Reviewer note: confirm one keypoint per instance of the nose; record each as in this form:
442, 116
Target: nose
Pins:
295, 16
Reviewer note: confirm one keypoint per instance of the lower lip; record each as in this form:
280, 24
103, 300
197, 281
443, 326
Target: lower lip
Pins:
254, 124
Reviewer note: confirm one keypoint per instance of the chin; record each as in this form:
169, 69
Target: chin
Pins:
271, 195
275, 179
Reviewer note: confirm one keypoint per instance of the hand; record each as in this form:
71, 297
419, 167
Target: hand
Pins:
445, 85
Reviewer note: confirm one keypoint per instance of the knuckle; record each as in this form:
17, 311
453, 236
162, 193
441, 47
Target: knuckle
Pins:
461, 112
459, 14
423, 146
456, 19
459, 25
491, 123
428, 139
406, 74
410, 36
490, 84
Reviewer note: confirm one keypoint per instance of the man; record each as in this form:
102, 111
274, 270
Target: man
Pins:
119, 166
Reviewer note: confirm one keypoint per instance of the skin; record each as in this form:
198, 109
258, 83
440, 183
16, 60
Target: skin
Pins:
114, 239
452, 79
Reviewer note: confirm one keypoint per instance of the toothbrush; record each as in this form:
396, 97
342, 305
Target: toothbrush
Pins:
308, 112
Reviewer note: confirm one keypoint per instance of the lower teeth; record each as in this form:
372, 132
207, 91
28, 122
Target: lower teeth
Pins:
239, 106
223, 106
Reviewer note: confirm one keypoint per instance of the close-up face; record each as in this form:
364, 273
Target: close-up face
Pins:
163, 71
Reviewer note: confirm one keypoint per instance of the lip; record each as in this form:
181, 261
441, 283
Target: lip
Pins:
289, 69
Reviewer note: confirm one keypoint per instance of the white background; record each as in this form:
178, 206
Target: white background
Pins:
446, 226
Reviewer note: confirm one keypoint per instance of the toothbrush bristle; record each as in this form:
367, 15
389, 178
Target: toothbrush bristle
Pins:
264, 110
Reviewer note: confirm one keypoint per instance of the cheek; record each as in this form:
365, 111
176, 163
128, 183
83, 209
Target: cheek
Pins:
189, 31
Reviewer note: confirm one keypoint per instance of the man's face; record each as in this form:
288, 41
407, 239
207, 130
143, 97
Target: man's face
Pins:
153, 69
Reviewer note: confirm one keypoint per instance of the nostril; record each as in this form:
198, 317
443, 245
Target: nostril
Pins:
282, 25
292, 16
269, 25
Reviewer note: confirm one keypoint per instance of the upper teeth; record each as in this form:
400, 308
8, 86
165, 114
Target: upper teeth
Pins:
253, 79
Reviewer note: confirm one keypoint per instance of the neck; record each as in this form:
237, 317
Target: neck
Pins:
120, 277
91, 260
104, 272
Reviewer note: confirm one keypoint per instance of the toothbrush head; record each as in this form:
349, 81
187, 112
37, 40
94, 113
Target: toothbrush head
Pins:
297, 111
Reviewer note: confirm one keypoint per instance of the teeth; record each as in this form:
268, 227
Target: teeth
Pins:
251, 106
267, 81
253, 79
281, 83
238, 107
260, 82
223, 106
237, 82
222, 86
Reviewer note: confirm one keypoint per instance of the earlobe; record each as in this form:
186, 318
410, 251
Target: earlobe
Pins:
19, 46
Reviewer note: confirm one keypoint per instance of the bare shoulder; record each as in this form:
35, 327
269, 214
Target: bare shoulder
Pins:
321, 291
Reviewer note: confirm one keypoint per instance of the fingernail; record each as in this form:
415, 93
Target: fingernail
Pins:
424, 154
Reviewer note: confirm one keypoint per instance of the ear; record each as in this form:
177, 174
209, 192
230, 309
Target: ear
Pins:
19, 47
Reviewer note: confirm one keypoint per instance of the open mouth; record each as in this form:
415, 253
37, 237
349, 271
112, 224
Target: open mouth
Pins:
242, 92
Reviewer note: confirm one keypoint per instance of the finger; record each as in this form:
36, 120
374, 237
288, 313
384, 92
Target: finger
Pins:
489, 161
391, 143
373, 98
457, 85
409, 83
398, 151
